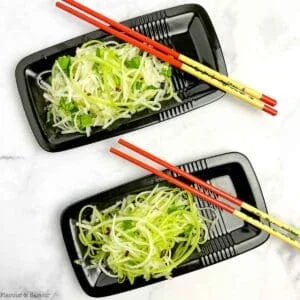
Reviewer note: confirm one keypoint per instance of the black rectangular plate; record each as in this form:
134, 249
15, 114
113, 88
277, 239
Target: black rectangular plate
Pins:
230, 237
186, 28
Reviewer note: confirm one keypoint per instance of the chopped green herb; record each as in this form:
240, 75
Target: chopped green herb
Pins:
85, 121
133, 63
166, 71
128, 224
68, 106
65, 62
97, 52
100, 52
188, 228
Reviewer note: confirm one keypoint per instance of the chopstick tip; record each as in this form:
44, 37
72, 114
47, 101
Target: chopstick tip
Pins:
111, 149
58, 4
268, 100
271, 111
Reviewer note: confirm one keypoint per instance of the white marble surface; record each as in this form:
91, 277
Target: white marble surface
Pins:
261, 43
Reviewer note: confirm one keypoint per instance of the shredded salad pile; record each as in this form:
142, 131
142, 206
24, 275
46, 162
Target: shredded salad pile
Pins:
104, 82
148, 234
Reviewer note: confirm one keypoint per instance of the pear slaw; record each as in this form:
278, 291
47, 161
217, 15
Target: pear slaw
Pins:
102, 83
143, 235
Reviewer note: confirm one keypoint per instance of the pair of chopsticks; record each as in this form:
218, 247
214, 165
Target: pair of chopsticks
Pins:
283, 231
174, 58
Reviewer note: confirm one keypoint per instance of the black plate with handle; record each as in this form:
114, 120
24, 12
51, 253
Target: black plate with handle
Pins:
230, 237
186, 28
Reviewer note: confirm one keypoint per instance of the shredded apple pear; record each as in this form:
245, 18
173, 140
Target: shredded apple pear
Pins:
148, 234
104, 82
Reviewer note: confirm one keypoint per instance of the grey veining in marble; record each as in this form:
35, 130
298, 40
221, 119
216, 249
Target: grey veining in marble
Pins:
261, 43
10, 157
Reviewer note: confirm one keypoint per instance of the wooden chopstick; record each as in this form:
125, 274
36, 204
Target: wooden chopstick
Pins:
227, 80
289, 237
210, 78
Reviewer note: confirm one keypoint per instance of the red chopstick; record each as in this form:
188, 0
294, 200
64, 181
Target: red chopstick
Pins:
121, 35
173, 180
180, 172
266, 99
124, 28
287, 233
186, 64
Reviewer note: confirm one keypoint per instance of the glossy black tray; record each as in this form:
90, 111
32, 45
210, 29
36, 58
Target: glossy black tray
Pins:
186, 28
230, 237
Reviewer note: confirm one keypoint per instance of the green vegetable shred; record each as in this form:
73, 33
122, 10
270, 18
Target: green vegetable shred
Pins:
104, 82
148, 234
